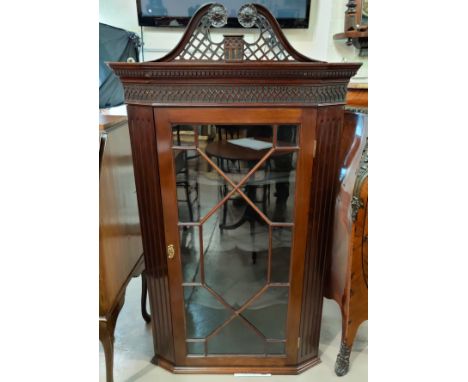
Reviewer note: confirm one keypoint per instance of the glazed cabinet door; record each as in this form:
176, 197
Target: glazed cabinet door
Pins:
235, 185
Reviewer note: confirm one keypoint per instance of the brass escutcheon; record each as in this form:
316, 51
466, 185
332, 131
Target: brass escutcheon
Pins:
170, 251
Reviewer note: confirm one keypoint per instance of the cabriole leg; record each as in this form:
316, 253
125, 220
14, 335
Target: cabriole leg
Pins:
144, 293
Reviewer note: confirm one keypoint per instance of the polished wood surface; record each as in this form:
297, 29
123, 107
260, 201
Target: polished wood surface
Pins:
346, 281
145, 161
120, 246
172, 91
152, 159
357, 96
323, 188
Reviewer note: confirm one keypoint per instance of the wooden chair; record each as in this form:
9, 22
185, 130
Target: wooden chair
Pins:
184, 180
120, 246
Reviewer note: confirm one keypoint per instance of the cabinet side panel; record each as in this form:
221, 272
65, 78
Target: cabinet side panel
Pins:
323, 191
145, 161
120, 247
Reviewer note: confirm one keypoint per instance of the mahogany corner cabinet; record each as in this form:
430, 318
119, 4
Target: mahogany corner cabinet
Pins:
235, 148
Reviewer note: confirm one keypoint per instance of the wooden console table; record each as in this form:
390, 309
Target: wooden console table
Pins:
120, 247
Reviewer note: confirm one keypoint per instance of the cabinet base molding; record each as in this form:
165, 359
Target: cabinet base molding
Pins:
275, 370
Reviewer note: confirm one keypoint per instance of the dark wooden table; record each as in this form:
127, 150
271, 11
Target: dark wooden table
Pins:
227, 150
224, 150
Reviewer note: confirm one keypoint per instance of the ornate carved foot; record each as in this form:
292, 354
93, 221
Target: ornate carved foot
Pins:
144, 292
342, 360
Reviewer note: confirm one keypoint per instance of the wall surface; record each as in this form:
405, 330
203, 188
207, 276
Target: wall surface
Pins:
326, 19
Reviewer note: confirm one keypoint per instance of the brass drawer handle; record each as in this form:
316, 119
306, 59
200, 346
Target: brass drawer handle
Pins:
170, 251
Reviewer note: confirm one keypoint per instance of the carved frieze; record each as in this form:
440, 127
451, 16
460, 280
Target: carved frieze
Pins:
235, 94
234, 71
195, 73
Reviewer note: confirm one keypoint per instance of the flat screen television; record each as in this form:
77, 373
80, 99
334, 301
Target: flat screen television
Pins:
177, 13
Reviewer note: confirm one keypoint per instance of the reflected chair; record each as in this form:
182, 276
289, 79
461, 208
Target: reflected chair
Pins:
183, 161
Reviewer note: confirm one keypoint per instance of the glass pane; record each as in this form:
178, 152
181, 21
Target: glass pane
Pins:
203, 313
190, 253
268, 312
196, 348
274, 187
228, 132
236, 338
260, 132
235, 149
235, 237
276, 348
281, 254
184, 135
287, 135
199, 186
235, 260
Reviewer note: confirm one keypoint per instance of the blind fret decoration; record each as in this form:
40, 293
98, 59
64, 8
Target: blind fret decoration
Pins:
235, 147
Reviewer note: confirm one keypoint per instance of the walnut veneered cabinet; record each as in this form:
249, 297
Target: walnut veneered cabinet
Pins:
235, 149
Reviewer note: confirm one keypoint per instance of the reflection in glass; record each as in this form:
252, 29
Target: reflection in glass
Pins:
281, 254
276, 348
236, 338
190, 253
229, 260
268, 312
235, 238
203, 313
287, 135
183, 135
196, 348
280, 183
199, 187
235, 149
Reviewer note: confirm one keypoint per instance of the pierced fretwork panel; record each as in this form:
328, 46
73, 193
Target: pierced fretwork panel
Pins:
267, 46
200, 45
